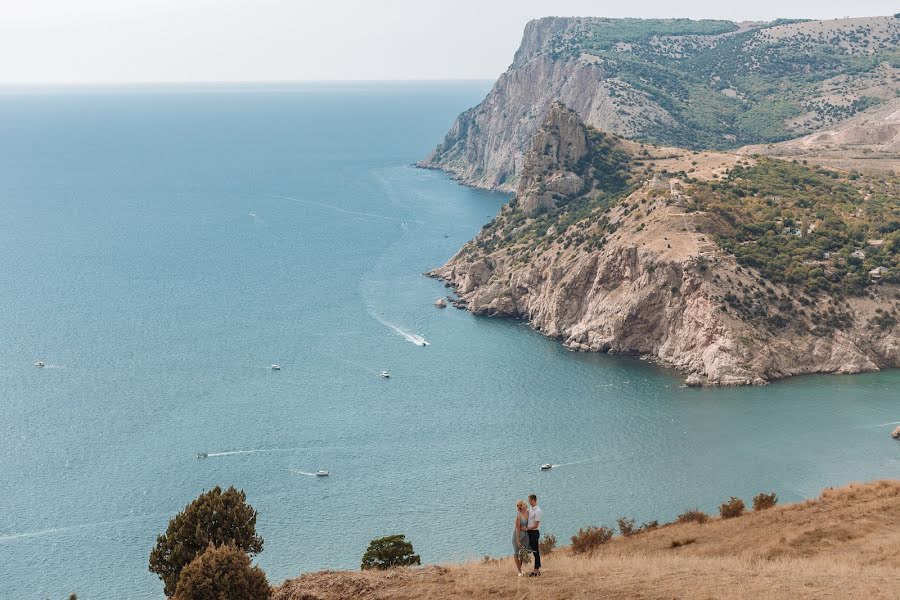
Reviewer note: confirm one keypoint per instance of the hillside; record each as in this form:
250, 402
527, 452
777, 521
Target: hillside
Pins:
694, 84
868, 141
734, 269
843, 545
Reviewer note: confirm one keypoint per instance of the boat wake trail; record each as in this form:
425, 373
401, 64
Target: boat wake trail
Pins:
337, 208
31, 534
296, 472
577, 462
413, 338
234, 452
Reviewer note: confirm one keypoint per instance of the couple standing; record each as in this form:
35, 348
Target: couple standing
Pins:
527, 534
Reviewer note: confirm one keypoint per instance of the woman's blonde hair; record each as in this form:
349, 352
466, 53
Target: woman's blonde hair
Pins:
520, 504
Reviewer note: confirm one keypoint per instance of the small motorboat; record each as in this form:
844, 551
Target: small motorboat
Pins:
322, 473
202, 455
275, 367
385, 375
40, 364
440, 303
546, 467
896, 433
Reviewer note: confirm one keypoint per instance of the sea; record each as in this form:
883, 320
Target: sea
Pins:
161, 247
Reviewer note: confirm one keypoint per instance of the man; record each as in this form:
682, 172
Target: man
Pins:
534, 533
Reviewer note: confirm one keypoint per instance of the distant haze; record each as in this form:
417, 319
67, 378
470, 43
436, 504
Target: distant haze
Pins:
119, 41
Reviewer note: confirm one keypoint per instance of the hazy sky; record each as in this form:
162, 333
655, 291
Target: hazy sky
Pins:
78, 41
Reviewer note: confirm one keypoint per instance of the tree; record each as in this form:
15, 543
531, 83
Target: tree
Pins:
388, 552
215, 518
222, 573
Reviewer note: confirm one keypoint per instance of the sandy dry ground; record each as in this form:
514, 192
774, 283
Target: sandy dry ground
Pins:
843, 545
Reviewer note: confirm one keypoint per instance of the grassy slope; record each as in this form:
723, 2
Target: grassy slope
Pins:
845, 544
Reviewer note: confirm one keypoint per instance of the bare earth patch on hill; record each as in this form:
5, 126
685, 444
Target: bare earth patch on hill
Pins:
843, 545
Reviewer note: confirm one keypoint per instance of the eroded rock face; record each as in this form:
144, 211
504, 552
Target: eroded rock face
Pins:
486, 145
548, 172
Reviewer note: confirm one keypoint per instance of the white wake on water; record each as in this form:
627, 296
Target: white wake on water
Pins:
414, 338
296, 472
261, 451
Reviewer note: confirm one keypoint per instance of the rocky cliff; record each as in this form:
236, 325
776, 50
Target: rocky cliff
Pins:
603, 249
697, 84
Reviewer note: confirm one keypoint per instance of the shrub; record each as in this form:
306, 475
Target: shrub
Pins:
547, 543
733, 508
590, 538
626, 526
680, 543
222, 572
648, 526
762, 501
695, 515
215, 518
388, 552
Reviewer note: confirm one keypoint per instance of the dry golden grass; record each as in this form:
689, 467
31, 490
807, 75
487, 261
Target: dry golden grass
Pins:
843, 545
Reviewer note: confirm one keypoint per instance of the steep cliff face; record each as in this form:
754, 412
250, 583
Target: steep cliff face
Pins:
605, 254
697, 84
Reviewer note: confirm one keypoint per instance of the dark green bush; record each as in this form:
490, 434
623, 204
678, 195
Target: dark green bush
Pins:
215, 518
388, 552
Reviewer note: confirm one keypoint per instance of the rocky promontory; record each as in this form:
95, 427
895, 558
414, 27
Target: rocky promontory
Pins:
614, 246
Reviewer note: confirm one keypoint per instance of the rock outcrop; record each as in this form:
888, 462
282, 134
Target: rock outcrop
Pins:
673, 82
648, 281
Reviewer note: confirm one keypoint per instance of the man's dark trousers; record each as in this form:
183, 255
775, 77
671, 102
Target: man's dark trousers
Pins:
533, 537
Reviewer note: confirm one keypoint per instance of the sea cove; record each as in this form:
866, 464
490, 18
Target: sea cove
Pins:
163, 246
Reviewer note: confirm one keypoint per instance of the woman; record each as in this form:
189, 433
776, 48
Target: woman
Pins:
520, 537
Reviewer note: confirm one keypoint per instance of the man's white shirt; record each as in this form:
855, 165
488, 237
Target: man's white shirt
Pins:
534, 516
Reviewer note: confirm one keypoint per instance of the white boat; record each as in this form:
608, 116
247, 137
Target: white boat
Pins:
385, 375
322, 473
896, 433
40, 364
546, 467
276, 368
202, 455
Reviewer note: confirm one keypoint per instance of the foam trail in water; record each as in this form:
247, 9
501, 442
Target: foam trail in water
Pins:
30, 534
414, 338
233, 452
577, 462
296, 472
338, 208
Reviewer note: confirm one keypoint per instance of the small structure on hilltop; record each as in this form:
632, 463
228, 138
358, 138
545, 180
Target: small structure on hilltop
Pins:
877, 273
858, 254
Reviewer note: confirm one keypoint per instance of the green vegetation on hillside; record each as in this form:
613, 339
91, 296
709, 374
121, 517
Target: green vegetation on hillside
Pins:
726, 87
806, 226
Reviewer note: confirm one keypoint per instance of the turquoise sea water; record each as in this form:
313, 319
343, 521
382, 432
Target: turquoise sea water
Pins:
161, 247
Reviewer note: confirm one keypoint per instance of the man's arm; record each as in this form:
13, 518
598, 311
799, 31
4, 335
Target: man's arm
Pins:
537, 525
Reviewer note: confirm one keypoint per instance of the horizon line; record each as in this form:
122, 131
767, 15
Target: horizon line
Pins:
217, 82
